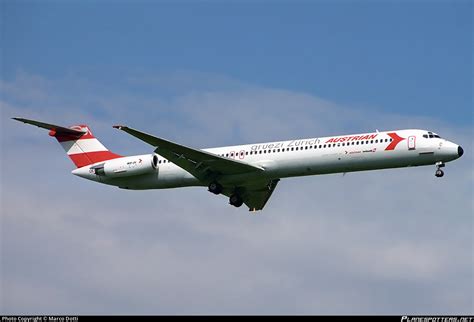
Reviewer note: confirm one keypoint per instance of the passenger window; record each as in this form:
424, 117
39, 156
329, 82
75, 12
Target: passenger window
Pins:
292, 149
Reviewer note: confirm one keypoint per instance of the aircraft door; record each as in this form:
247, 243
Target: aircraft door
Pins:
411, 142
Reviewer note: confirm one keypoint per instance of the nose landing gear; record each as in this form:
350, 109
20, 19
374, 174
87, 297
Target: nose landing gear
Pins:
439, 173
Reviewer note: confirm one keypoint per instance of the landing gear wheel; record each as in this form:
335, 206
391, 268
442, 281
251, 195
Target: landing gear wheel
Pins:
215, 188
439, 173
235, 200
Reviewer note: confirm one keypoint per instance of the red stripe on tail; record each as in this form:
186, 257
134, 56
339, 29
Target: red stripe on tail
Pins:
83, 159
91, 152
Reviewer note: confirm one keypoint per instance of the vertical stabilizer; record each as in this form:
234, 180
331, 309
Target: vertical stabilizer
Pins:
78, 142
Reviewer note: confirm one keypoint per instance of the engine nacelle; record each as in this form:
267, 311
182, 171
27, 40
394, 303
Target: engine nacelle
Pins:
127, 166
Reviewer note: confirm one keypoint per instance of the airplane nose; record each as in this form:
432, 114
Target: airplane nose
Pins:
460, 151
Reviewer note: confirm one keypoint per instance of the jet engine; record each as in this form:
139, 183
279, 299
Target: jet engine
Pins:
127, 166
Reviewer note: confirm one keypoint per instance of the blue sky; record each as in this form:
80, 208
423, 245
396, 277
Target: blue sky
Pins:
412, 57
221, 73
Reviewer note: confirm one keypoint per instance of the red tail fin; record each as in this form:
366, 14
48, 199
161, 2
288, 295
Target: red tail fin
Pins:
83, 150
78, 142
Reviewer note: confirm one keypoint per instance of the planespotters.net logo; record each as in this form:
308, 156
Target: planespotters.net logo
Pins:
437, 319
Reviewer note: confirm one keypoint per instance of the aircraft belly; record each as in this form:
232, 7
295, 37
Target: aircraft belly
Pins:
348, 162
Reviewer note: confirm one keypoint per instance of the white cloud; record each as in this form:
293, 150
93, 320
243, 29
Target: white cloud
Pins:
393, 242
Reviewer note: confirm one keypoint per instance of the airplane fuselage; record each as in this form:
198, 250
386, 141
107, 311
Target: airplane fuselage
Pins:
303, 157
247, 174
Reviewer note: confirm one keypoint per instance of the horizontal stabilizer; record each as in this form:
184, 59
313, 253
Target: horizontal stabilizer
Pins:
57, 130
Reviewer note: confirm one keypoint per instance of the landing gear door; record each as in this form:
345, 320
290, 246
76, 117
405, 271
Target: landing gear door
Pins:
411, 142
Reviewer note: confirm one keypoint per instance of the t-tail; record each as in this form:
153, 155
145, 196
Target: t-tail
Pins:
78, 142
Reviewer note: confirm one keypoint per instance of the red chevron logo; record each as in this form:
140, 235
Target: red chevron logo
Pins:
395, 140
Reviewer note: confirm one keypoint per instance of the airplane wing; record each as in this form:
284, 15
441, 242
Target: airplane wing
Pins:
255, 196
203, 165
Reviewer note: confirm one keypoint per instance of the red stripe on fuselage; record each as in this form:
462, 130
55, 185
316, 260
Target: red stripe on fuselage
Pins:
396, 139
83, 159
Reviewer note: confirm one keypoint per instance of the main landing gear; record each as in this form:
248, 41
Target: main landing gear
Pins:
235, 200
439, 173
215, 188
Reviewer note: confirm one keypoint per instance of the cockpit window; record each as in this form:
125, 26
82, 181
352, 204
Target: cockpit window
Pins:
431, 135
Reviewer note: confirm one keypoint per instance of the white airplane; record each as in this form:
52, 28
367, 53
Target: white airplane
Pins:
247, 173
